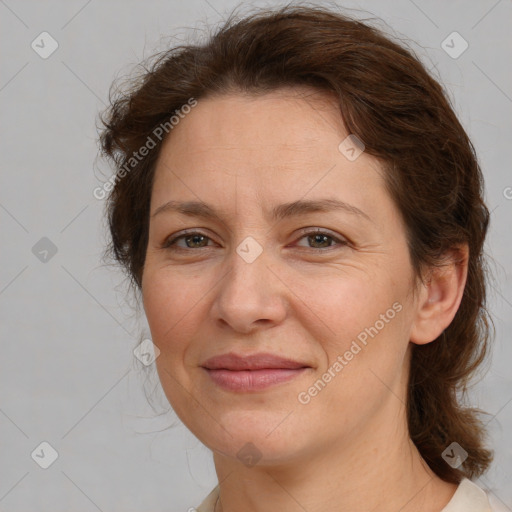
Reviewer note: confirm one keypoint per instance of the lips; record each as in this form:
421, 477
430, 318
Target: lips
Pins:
253, 372
259, 361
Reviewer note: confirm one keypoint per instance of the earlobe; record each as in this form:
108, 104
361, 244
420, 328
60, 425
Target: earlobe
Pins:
440, 296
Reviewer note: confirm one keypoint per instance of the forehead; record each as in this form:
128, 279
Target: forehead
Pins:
289, 119
279, 128
280, 146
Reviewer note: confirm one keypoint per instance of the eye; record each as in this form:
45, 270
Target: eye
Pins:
197, 240
321, 239
193, 239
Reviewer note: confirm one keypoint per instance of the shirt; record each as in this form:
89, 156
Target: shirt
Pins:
467, 498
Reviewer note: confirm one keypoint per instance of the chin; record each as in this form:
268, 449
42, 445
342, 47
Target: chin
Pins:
256, 438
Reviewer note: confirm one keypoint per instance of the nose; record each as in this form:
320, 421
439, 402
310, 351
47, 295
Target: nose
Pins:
250, 295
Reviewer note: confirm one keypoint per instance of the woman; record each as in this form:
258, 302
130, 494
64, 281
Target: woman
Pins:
302, 213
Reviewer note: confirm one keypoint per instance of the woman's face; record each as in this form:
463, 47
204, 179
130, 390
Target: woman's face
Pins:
329, 288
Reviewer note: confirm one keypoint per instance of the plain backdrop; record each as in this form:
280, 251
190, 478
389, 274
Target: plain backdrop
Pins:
68, 375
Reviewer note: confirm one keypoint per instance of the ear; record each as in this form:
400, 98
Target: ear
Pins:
440, 297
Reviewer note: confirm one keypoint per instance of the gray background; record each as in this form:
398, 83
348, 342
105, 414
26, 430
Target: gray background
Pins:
68, 375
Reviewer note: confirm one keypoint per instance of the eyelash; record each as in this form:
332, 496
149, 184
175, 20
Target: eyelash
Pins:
170, 242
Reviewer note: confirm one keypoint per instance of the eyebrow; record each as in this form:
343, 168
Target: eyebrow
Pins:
296, 208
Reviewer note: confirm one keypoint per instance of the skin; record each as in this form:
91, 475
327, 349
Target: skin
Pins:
348, 449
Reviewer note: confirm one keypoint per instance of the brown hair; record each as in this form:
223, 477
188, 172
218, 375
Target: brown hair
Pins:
386, 98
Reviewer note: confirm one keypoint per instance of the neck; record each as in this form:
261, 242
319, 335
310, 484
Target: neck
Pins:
378, 469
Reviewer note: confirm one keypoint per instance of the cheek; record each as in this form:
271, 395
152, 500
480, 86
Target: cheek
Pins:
168, 304
341, 304
359, 321
157, 304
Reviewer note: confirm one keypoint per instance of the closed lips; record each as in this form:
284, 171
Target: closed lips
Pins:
252, 373
259, 361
